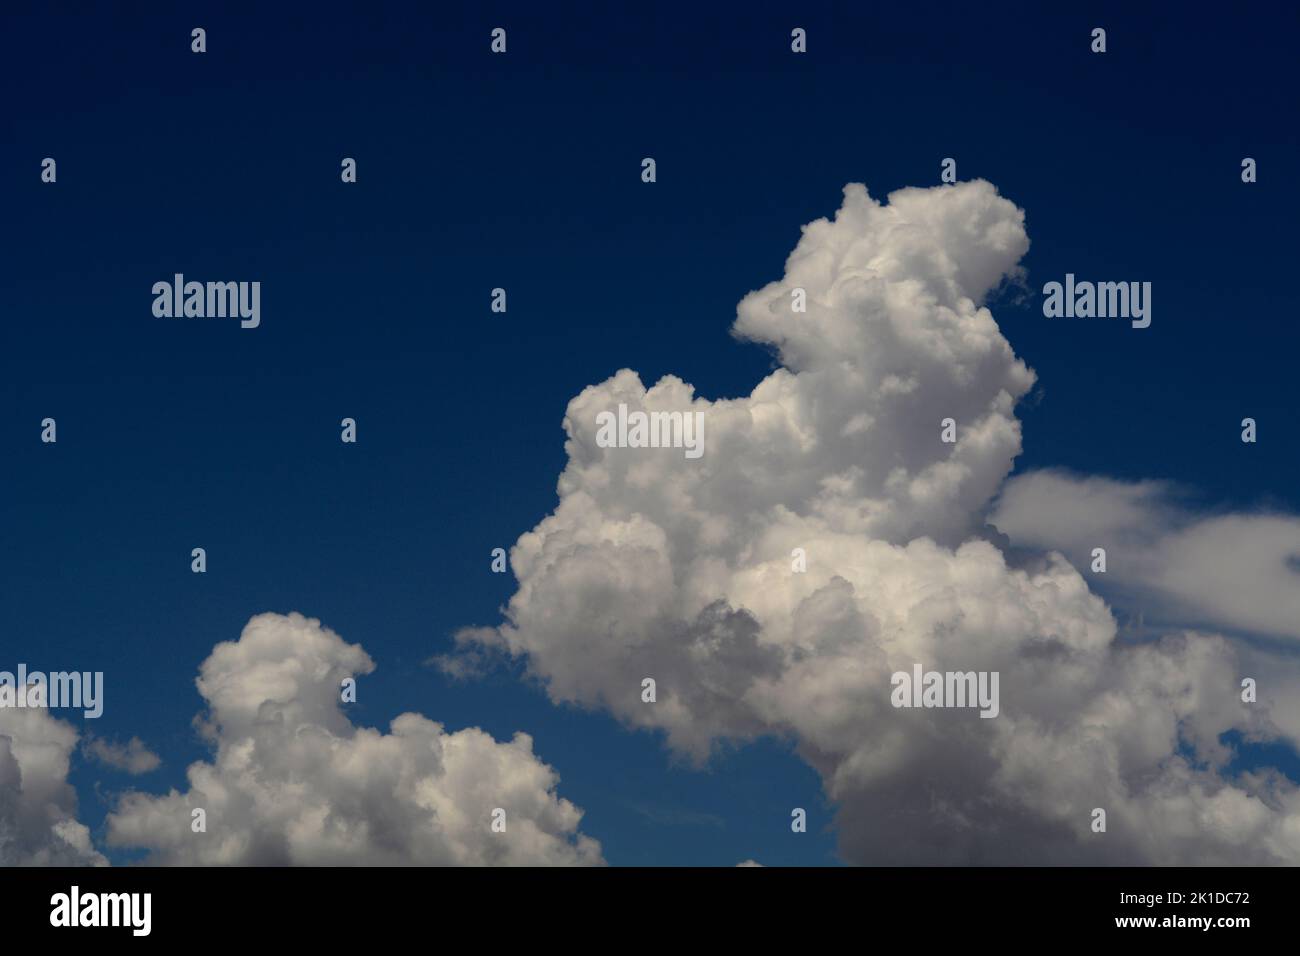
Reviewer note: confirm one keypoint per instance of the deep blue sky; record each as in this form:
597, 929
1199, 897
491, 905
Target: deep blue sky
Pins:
522, 171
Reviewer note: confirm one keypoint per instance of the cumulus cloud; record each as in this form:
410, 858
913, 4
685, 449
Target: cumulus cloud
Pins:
1237, 571
295, 782
38, 807
132, 757
686, 571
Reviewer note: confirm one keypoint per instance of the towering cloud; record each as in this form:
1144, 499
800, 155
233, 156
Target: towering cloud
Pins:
293, 781
687, 571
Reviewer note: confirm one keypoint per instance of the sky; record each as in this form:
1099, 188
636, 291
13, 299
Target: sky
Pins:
523, 171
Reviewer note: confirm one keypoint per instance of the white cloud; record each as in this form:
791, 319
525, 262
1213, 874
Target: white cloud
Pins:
1237, 571
133, 757
654, 565
293, 781
38, 807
